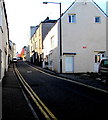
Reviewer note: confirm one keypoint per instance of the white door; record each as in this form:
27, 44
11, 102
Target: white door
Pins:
98, 57
69, 64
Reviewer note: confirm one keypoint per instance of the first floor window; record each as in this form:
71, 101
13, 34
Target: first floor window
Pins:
97, 19
72, 18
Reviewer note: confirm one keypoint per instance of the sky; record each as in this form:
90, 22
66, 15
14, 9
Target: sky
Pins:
22, 14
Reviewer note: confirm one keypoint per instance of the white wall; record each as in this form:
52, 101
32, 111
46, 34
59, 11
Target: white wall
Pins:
85, 32
4, 44
52, 51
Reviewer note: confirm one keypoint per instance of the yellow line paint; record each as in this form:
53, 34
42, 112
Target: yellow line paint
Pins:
35, 98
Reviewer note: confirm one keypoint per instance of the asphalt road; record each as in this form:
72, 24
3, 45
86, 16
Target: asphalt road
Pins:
66, 100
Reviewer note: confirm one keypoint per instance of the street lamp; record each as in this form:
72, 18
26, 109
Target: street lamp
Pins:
60, 34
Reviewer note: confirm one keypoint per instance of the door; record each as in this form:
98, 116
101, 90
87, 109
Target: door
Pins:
69, 64
98, 57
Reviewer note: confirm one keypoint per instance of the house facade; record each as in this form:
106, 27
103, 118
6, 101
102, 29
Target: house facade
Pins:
11, 51
83, 39
35, 46
51, 52
4, 39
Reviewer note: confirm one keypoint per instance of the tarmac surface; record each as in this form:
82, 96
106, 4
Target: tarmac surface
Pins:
91, 79
14, 105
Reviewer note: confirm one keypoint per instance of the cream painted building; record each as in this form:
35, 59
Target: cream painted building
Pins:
35, 46
4, 38
11, 51
83, 39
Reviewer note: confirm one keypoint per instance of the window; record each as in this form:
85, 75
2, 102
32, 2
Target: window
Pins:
40, 44
52, 42
72, 18
0, 16
97, 19
36, 45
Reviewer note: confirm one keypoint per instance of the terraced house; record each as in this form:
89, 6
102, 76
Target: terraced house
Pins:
35, 46
83, 39
4, 39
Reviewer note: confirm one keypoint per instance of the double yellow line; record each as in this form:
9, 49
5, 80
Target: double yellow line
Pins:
44, 110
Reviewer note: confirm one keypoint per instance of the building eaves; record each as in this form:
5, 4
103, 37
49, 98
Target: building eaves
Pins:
68, 8
76, 1
49, 21
100, 8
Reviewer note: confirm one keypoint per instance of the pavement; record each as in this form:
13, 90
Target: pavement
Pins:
14, 105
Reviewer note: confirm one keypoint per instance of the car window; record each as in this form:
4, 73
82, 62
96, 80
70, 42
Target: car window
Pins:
14, 58
104, 63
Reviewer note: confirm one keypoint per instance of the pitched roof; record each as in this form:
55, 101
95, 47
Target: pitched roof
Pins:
85, 2
100, 8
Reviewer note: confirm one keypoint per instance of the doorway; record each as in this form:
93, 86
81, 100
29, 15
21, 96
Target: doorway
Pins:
98, 58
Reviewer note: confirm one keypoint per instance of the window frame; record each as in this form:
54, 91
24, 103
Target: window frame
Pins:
72, 18
99, 19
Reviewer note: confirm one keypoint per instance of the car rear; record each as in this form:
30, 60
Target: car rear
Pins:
14, 60
103, 69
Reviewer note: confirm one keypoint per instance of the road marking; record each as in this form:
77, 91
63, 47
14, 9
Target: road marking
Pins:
28, 102
69, 80
30, 106
44, 110
29, 72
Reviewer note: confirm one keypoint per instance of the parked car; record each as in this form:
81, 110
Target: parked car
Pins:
103, 69
19, 58
14, 59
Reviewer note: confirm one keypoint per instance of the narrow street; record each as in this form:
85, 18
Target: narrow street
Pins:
53, 60
66, 100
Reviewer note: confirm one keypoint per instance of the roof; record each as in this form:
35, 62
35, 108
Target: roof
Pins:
47, 20
100, 8
87, 1
33, 30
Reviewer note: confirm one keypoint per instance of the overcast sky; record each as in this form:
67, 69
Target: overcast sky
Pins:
25, 13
